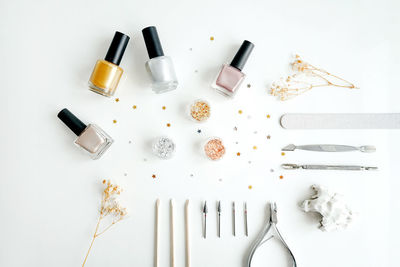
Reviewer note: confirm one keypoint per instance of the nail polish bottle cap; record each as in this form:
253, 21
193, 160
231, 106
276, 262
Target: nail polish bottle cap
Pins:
242, 55
153, 44
71, 121
117, 48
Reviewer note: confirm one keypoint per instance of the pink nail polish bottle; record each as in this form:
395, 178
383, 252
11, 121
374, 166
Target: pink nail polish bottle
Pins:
231, 76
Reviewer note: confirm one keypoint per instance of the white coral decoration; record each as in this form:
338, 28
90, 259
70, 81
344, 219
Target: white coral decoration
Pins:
336, 215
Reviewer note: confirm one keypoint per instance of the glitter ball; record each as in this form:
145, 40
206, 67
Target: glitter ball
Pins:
238, 154
164, 147
153, 176
268, 137
283, 153
268, 116
281, 177
254, 147
168, 124
117, 100
164, 107
198, 131
114, 121
212, 38
248, 85
240, 111
250, 187
200, 110
214, 149
134, 106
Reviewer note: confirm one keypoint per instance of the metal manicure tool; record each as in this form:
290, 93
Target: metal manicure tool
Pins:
233, 219
261, 238
246, 228
330, 148
205, 211
328, 167
219, 218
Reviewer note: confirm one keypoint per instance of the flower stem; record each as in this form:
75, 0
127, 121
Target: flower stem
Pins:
91, 244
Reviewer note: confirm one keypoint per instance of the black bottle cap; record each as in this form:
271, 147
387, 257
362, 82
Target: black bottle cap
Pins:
153, 44
117, 48
242, 55
71, 121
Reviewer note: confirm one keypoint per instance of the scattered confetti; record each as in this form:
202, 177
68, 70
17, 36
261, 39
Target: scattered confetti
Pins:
196, 71
268, 137
240, 111
200, 110
164, 107
249, 117
268, 116
254, 147
249, 161
235, 128
114, 121
220, 179
164, 147
281, 177
117, 100
248, 85
153, 176
168, 124
238, 154
212, 38
125, 174
214, 149
191, 175
271, 170
250, 187
198, 131
190, 49
144, 159
129, 142
134, 106
255, 132
236, 142
283, 153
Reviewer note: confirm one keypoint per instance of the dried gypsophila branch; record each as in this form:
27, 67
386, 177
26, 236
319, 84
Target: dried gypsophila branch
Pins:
305, 78
110, 207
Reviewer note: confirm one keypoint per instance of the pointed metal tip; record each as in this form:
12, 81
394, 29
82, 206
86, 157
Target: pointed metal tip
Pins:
219, 207
205, 208
290, 147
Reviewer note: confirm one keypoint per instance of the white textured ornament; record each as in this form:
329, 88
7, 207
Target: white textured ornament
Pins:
336, 215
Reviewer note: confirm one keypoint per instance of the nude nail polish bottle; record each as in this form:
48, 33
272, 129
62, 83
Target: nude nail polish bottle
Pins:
159, 67
91, 138
231, 76
107, 73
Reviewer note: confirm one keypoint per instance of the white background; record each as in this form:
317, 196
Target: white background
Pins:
50, 191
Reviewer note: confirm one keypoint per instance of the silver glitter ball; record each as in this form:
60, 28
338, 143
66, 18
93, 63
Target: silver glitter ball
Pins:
164, 147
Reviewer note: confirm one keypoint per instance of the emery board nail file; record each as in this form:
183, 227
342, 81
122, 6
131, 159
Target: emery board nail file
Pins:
341, 121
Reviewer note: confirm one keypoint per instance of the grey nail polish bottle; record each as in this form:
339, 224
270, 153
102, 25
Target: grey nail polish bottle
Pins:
159, 67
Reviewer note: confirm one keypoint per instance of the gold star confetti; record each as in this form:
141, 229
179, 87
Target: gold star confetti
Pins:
240, 111
283, 153
212, 38
268, 116
168, 124
114, 121
134, 106
250, 187
254, 147
238, 154
248, 85
268, 137
164, 107
281, 177
117, 100
154, 176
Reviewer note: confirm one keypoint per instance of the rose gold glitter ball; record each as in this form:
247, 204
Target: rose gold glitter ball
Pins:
214, 149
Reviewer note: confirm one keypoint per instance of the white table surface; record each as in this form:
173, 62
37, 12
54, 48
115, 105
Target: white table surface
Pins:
50, 191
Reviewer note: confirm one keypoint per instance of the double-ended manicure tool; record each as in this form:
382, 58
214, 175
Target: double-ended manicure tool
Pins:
330, 148
289, 166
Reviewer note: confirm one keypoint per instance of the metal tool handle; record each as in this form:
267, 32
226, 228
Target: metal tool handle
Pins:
328, 148
333, 167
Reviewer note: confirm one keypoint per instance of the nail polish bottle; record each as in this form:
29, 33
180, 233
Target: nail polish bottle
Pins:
107, 73
91, 138
160, 67
231, 76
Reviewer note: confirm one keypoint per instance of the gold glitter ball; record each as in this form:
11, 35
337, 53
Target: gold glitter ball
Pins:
268, 116
117, 100
268, 137
254, 147
134, 106
114, 121
164, 107
214, 149
283, 153
212, 38
240, 111
200, 110
250, 187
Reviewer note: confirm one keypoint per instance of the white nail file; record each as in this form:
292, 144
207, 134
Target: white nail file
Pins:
341, 121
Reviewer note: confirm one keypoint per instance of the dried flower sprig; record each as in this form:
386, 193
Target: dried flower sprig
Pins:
110, 208
304, 78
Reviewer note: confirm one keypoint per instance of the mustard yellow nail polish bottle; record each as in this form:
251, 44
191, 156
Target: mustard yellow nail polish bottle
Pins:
107, 73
